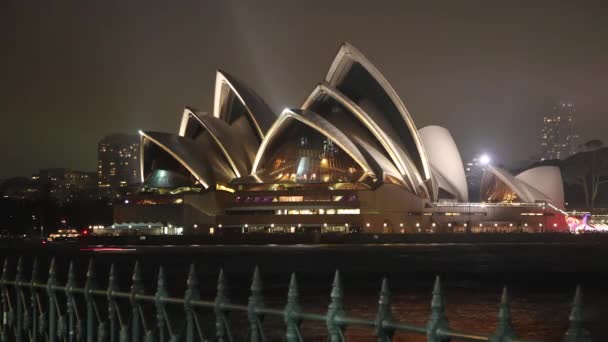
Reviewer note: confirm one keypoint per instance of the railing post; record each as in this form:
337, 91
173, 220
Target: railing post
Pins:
222, 330
576, 332
161, 292
52, 313
384, 314
192, 293
34, 302
90, 285
291, 312
335, 310
3, 292
18, 303
136, 288
504, 329
69, 297
255, 301
112, 314
437, 321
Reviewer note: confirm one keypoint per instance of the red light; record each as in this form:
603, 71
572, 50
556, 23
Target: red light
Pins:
85, 232
44, 242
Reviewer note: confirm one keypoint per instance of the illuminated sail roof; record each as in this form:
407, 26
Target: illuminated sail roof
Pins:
334, 106
548, 181
357, 78
203, 159
233, 101
499, 185
195, 126
445, 161
352, 130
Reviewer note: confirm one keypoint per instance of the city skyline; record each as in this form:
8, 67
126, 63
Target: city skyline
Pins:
126, 72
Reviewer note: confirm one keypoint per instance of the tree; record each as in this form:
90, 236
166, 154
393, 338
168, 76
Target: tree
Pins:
588, 169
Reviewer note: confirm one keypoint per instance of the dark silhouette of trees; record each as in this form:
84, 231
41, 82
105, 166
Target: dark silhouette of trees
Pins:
588, 170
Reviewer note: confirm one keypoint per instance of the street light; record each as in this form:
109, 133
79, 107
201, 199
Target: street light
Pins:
484, 159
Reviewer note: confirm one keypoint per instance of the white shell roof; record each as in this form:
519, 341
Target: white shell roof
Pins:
445, 161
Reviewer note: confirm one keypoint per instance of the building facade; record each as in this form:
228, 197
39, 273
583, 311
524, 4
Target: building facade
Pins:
118, 161
65, 185
350, 159
559, 136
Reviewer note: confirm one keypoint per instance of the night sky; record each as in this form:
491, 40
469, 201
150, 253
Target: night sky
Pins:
72, 71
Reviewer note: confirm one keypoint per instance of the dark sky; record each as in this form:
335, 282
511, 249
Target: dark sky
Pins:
72, 71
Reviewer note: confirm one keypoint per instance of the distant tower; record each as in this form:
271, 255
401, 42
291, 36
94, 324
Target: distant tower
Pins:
118, 161
559, 138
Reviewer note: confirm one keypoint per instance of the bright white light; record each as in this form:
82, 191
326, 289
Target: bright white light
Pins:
484, 159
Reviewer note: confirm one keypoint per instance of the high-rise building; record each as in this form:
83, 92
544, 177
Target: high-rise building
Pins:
559, 137
118, 161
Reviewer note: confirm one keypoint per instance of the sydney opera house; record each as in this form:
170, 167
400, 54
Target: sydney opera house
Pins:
350, 159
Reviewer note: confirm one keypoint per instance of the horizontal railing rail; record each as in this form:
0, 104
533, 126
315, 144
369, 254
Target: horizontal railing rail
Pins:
35, 311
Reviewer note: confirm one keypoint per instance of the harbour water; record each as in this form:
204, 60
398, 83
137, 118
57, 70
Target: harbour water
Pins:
541, 278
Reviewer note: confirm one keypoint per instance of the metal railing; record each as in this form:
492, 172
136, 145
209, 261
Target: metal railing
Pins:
34, 311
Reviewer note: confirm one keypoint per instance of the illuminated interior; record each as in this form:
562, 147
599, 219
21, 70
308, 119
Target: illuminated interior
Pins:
302, 155
163, 170
493, 189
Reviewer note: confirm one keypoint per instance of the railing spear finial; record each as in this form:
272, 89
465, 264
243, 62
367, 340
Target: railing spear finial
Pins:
504, 330
4, 270
192, 293
256, 283
335, 310
113, 323
192, 283
255, 302
34, 276
71, 276
438, 321
89, 285
19, 309
33, 319
222, 331
52, 266
161, 292
221, 287
70, 324
161, 287
291, 312
576, 332
91, 277
52, 312
384, 313
19, 274
112, 279
136, 288
292, 293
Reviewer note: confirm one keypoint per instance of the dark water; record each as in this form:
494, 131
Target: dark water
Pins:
541, 279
